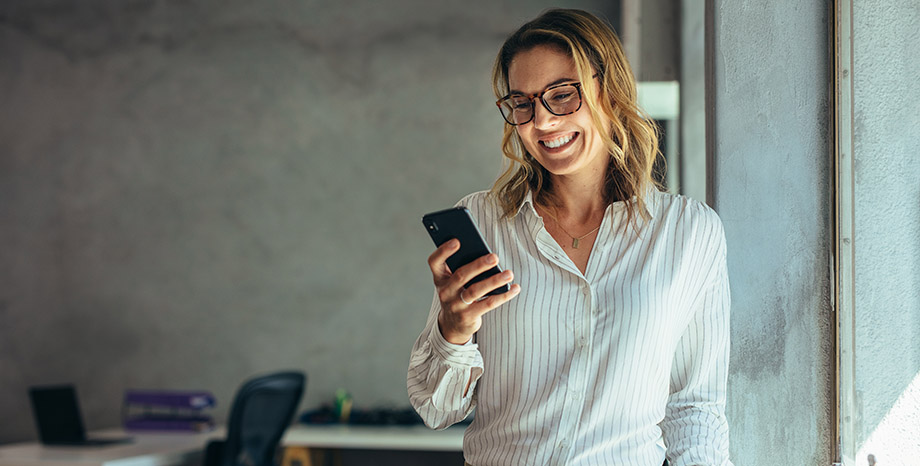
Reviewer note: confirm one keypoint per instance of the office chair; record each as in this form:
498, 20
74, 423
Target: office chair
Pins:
262, 410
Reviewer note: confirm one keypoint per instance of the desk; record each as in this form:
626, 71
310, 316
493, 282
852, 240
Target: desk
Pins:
417, 438
299, 439
175, 449
148, 449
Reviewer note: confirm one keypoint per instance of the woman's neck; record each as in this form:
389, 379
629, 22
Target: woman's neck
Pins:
578, 199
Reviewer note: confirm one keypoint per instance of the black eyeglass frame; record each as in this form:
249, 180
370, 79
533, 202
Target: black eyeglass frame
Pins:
533, 112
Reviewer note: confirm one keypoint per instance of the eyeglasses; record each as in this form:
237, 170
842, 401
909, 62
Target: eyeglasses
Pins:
562, 99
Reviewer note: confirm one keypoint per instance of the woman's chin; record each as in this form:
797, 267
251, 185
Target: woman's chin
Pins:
564, 163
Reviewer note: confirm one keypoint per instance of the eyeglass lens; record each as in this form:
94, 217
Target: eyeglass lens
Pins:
562, 100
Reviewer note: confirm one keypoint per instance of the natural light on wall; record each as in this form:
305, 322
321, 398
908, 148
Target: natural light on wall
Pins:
893, 442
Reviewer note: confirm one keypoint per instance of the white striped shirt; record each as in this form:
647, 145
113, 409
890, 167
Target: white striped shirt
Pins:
601, 368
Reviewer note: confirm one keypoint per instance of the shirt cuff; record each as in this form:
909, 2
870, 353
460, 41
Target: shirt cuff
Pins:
465, 355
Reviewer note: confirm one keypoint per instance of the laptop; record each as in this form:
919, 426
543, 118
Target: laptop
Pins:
57, 415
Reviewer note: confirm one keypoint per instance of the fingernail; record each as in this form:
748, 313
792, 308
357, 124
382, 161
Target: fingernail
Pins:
506, 275
493, 259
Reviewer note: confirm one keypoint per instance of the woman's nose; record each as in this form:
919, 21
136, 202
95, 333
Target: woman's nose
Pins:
543, 118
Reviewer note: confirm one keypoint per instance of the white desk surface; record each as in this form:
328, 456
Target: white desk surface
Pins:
173, 449
147, 449
415, 438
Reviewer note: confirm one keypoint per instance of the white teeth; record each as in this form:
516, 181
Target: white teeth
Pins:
558, 141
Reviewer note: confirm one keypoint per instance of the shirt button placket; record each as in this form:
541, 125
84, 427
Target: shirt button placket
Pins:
589, 298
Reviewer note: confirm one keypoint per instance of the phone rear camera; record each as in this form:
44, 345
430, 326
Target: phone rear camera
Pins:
432, 226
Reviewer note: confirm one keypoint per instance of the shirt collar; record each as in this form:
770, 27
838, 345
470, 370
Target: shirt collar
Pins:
527, 202
651, 202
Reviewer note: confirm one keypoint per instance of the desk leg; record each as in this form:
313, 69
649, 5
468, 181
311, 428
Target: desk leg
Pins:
296, 456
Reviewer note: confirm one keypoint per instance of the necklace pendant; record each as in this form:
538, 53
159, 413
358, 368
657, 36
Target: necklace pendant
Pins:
574, 243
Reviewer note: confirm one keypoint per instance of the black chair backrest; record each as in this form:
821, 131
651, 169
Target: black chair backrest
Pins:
263, 408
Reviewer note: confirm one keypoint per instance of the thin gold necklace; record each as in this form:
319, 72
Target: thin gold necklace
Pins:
575, 240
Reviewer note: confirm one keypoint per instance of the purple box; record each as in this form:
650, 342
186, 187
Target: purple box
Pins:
167, 410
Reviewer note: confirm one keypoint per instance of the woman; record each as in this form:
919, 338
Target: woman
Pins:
611, 347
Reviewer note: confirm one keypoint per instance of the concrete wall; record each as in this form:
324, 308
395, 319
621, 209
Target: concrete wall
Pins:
771, 176
887, 241
195, 192
651, 34
693, 99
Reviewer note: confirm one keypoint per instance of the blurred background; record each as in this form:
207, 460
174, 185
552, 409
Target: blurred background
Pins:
194, 192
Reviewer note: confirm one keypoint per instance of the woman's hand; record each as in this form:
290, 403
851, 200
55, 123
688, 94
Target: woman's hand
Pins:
461, 308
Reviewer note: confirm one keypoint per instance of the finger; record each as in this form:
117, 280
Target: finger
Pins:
466, 300
458, 324
485, 305
464, 274
437, 261
482, 288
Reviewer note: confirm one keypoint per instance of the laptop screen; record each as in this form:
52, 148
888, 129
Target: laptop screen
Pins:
57, 414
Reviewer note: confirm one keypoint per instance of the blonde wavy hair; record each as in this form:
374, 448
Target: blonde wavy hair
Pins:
633, 138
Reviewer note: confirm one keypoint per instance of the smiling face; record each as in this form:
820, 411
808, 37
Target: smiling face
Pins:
567, 145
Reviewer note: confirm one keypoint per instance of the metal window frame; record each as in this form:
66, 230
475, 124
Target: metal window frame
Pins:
844, 226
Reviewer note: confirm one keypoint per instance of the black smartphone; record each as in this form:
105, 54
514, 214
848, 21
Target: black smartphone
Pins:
457, 223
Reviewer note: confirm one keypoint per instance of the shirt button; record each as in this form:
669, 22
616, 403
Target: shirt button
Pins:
563, 445
576, 396
582, 342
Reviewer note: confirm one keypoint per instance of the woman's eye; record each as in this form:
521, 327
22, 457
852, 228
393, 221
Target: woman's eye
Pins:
561, 97
520, 105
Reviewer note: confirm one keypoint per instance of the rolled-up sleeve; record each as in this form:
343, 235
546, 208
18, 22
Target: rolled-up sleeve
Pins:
439, 373
695, 428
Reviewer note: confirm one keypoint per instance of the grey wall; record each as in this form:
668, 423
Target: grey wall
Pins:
195, 192
887, 241
693, 99
651, 34
772, 187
